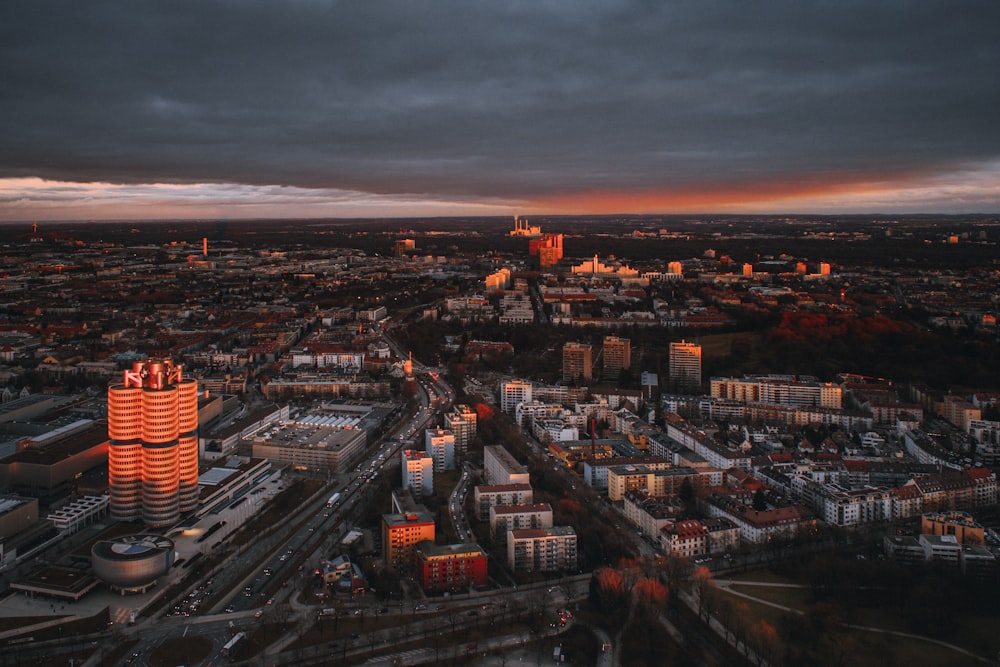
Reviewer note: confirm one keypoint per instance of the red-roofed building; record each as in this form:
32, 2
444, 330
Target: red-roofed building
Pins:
685, 538
907, 501
986, 485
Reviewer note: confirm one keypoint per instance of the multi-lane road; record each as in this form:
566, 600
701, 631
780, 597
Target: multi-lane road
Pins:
269, 572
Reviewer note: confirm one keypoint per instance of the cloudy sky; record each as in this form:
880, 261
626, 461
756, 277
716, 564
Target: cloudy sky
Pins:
291, 108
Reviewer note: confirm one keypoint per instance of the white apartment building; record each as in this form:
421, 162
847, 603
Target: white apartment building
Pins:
542, 549
491, 495
518, 517
418, 472
852, 507
462, 422
513, 392
440, 446
502, 468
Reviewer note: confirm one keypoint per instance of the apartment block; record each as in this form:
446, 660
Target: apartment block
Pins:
400, 535
685, 365
616, 356
418, 472
686, 539
512, 393
542, 549
449, 567
515, 517
502, 468
577, 362
440, 446
462, 422
487, 496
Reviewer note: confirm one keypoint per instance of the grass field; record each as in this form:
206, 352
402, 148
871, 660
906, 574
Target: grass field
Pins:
867, 648
978, 635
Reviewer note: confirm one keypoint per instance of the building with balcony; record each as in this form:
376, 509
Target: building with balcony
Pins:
400, 535
418, 472
542, 549
462, 422
440, 446
487, 496
685, 365
577, 363
449, 567
616, 356
515, 517
502, 468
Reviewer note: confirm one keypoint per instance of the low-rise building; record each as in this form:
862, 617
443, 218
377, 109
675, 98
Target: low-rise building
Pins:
686, 539
449, 567
658, 479
314, 449
722, 536
960, 525
757, 526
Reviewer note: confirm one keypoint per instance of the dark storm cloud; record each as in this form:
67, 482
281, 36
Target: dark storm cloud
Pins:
504, 99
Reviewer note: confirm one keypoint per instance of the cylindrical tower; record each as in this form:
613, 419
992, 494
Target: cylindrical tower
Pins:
160, 457
153, 457
187, 427
125, 451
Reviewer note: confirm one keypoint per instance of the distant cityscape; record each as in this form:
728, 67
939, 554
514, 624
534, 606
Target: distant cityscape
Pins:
765, 440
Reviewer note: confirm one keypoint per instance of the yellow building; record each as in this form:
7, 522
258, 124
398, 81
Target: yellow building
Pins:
961, 525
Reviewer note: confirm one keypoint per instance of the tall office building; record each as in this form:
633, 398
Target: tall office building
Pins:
153, 444
617, 356
685, 365
577, 361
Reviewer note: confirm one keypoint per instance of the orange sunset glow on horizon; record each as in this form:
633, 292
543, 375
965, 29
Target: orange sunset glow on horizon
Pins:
30, 199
